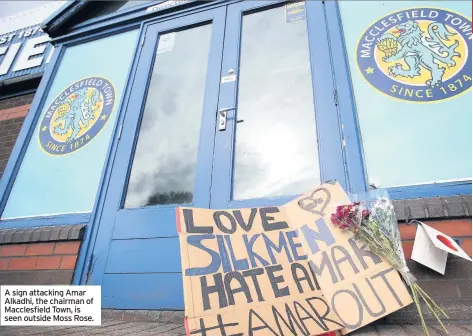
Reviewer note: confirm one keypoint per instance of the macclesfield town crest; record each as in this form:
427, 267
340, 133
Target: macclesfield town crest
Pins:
76, 115
419, 54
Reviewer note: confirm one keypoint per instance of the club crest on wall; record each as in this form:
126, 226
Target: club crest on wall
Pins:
76, 115
419, 54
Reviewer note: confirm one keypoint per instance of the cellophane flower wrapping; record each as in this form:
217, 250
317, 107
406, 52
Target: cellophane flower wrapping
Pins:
371, 218
379, 206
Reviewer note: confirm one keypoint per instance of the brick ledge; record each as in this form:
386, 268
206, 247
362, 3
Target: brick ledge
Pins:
447, 207
42, 234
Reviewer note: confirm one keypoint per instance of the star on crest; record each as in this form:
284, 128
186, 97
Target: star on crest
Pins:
44, 128
369, 70
104, 117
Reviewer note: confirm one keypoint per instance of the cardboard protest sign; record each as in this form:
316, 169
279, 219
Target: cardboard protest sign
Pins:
281, 271
243, 276
358, 285
431, 248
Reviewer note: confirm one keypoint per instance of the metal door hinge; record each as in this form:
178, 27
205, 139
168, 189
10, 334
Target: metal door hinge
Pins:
344, 143
335, 97
143, 40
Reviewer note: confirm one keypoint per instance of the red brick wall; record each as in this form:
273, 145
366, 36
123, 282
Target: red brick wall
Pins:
452, 291
12, 113
16, 101
459, 229
39, 256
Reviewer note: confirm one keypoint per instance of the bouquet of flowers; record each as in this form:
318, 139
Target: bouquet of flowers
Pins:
371, 218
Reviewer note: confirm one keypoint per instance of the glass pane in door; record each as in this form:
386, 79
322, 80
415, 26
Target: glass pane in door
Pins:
164, 163
276, 143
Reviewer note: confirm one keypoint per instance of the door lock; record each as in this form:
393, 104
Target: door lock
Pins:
222, 118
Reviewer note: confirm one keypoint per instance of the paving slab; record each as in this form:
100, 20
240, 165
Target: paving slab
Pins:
417, 330
453, 330
369, 330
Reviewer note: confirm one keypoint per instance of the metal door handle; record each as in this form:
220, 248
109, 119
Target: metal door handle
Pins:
226, 109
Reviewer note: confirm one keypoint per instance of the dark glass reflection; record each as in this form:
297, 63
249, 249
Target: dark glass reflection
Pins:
276, 144
163, 168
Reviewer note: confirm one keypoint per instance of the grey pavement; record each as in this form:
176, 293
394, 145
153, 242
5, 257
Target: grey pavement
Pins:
111, 327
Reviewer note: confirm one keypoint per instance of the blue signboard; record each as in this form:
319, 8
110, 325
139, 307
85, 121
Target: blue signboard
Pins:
61, 169
392, 57
411, 73
24, 52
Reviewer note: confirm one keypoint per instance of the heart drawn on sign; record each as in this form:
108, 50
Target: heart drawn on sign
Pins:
316, 202
447, 242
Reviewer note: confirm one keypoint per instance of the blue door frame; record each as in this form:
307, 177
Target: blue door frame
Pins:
138, 248
328, 129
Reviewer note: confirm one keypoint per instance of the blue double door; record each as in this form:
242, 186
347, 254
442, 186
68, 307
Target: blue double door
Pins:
229, 107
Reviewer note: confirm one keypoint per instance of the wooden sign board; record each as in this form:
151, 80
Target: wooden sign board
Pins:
281, 271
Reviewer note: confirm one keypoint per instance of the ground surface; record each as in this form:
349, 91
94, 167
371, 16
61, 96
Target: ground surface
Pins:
117, 328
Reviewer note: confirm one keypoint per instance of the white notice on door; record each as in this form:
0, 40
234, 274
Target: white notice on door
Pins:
166, 42
228, 79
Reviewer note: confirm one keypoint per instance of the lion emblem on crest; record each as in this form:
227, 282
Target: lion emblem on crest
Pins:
77, 115
78, 111
419, 50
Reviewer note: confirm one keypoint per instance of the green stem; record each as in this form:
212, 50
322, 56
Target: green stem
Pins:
432, 301
419, 309
432, 311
